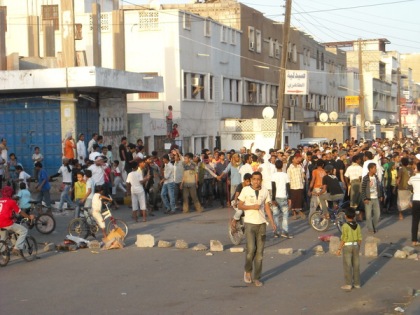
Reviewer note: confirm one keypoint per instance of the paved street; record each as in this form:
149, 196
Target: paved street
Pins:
173, 281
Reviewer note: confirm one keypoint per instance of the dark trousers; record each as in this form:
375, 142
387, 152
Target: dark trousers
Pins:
415, 220
222, 190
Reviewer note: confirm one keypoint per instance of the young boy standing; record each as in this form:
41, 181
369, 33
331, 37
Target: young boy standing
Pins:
351, 238
97, 208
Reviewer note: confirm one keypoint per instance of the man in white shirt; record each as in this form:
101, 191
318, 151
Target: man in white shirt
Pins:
281, 186
246, 168
98, 172
135, 182
415, 182
255, 201
81, 149
92, 141
168, 187
65, 172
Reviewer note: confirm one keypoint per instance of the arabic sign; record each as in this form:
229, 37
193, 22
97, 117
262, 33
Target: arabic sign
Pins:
352, 100
296, 82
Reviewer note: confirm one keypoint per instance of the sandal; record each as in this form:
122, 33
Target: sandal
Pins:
258, 283
247, 277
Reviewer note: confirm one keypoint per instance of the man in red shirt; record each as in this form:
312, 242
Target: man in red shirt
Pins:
7, 207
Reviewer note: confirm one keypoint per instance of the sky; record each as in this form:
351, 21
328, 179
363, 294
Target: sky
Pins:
343, 20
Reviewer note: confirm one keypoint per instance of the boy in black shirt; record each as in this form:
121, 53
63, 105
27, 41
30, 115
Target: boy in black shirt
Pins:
331, 189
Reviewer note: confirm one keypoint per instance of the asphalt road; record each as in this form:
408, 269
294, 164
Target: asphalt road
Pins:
174, 281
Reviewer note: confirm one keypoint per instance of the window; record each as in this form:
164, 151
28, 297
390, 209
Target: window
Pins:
317, 59
149, 95
294, 53
148, 20
211, 88
223, 34
277, 49
207, 28
252, 92
186, 21
258, 41
186, 84
308, 57
233, 37
270, 47
197, 86
104, 23
4, 9
304, 56
322, 61
50, 13
251, 38
289, 51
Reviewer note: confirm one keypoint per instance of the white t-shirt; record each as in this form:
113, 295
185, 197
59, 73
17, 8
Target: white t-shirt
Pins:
93, 155
90, 184
373, 187
281, 179
267, 170
246, 168
249, 197
97, 174
23, 176
96, 202
134, 178
63, 170
415, 182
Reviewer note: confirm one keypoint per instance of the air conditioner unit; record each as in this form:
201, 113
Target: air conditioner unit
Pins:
252, 87
195, 81
251, 45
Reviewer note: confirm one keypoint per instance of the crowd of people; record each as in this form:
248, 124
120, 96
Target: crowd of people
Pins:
377, 176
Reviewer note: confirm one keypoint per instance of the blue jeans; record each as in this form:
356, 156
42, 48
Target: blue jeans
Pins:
168, 190
284, 208
44, 195
255, 239
20, 230
79, 205
372, 206
65, 197
351, 264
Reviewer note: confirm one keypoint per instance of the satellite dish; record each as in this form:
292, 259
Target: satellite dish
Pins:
383, 121
268, 113
333, 116
323, 117
367, 123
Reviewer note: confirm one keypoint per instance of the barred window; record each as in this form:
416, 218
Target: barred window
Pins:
50, 13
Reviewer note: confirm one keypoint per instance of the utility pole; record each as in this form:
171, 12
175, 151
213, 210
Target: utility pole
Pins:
362, 92
282, 75
399, 103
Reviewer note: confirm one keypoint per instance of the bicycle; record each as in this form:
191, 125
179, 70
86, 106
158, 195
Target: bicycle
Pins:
320, 223
237, 234
44, 222
86, 224
28, 253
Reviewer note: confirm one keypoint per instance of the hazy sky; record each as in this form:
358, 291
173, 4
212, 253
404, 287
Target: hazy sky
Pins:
341, 20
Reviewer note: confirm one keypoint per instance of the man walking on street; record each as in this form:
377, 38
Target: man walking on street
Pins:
254, 200
168, 187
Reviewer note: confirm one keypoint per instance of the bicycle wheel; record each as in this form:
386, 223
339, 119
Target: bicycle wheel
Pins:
117, 223
340, 219
237, 235
78, 227
4, 254
45, 223
318, 222
30, 249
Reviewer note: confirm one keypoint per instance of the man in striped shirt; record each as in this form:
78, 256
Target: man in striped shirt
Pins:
297, 180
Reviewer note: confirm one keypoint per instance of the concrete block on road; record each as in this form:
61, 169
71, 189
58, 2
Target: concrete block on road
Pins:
165, 244
145, 240
94, 244
286, 251
408, 250
413, 257
237, 249
216, 246
49, 247
371, 246
318, 250
334, 244
400, 254
200, 247
181, 244
301, 251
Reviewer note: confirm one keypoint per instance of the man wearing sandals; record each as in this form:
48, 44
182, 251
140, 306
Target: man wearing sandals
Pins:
254, 199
